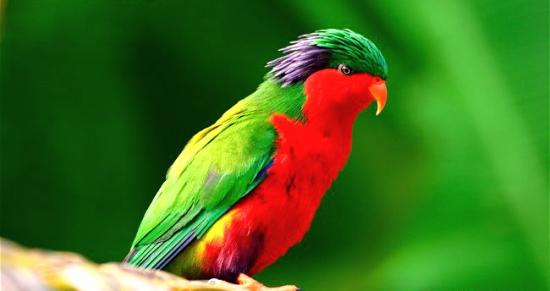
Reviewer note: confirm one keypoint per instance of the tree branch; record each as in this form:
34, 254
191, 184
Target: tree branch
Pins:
32, 269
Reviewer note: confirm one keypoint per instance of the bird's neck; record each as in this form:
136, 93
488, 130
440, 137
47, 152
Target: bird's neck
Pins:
332, 120
318, 111
330, 111
317, 108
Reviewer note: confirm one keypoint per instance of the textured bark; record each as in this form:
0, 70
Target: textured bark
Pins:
31, 269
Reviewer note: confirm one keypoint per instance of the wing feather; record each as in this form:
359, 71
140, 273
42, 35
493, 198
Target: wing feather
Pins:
219, 166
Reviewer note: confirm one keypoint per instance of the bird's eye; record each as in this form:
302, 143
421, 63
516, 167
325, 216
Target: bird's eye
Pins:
344, 69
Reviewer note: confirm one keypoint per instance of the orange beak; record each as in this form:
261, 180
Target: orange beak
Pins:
379, 92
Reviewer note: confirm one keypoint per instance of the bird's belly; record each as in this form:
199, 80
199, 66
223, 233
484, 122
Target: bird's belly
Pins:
266, 223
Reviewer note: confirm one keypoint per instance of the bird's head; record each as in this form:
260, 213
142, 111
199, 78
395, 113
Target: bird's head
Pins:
335, 64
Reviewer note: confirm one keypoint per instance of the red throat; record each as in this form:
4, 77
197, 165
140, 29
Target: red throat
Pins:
336, 98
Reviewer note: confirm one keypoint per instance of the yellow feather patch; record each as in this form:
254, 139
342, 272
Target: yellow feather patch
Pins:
189, 262
217, 232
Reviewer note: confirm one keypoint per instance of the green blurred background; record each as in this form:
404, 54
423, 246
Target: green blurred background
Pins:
446, 190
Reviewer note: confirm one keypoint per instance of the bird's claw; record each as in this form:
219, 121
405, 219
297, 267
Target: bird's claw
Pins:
250, 284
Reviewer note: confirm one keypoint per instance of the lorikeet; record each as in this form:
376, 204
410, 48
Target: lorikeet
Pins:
245, 189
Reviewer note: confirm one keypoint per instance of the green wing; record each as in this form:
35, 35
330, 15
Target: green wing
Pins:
219, 166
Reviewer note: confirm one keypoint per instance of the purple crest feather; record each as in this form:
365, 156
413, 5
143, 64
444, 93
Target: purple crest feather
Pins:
301, 58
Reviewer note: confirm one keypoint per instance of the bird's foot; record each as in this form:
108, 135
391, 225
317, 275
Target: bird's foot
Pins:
250, 284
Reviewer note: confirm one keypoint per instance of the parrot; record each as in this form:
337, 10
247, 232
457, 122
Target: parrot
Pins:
246, 189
